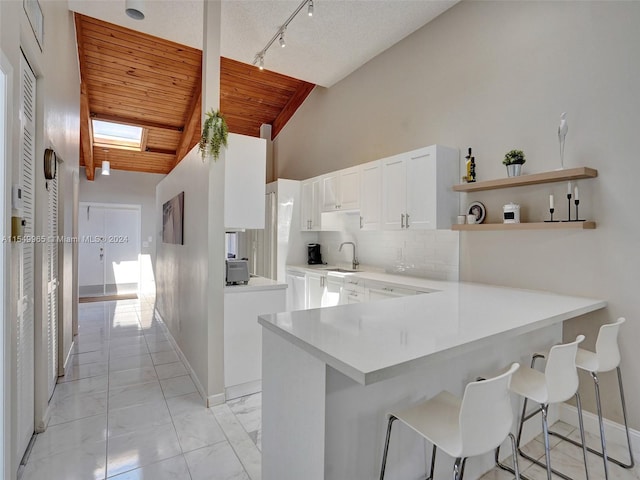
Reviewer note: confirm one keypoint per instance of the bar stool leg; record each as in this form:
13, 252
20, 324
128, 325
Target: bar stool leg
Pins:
386, 446
584, 443
631, 463
433, 462
457, 469
514, 451
545, 431
601, 425
626, 424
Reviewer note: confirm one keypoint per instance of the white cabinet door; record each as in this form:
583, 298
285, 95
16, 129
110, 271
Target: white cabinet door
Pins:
295, 291
332, 291
420, 171
314, 286
329, 188
393, 193
245, 179
349, 189
310, 204
370, 195
306, 204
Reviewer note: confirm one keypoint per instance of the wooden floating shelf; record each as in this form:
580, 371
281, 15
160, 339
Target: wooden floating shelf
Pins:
484, 227
533, 179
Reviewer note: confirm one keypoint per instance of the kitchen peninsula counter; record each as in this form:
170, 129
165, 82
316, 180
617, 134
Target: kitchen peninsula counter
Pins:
331, 374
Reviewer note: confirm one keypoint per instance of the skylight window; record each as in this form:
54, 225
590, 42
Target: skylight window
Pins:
117, 135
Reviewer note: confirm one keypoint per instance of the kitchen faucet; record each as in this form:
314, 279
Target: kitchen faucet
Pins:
354, 262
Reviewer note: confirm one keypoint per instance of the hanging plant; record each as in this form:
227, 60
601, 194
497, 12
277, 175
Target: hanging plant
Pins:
214, 135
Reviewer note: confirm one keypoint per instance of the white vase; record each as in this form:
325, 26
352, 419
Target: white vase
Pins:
514, 170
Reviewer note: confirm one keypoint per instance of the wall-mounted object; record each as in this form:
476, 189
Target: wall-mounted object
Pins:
50, 164
36, 19
173, 220
16, 197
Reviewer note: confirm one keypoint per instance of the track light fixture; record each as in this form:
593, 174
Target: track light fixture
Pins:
259, 58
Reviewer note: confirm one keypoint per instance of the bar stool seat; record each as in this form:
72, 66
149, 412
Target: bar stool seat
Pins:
476, 424
604, 359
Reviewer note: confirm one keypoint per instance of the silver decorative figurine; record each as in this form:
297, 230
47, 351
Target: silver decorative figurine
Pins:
562, 134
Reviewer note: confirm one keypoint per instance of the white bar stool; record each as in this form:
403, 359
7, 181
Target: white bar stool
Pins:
605, 359
558, 383
475, 425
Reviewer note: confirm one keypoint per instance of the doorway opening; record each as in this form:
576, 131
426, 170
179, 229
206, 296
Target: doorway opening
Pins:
109, 249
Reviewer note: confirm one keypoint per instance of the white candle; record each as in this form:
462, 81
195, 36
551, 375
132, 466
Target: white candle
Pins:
551, 201
575, 193
569, 188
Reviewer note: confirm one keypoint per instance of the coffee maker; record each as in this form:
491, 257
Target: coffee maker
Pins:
314, 257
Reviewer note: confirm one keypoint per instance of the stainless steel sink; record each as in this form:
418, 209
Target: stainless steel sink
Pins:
340, 270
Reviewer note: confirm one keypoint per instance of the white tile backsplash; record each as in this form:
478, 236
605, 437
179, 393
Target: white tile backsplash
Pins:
428, 253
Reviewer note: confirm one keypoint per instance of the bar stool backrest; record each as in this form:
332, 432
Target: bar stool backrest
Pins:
561, 373
486, 414
607, 350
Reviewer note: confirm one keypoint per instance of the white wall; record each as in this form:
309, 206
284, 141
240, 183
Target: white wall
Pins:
57, 126
132, 188
496, 76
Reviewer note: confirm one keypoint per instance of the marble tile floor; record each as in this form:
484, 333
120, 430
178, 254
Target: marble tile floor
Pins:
127, 409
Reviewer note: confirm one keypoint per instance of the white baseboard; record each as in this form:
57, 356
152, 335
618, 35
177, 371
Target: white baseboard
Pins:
243, 389
614, 432
192, 373
217, 399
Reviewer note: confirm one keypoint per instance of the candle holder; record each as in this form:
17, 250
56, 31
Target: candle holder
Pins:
551, 210
578, 219
568, 208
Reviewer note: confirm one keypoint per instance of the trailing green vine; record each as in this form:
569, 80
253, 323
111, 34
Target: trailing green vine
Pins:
214, 135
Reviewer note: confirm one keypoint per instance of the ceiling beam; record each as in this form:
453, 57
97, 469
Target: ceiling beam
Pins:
290, 108
86, 133
191, 125
86, 128
134, 121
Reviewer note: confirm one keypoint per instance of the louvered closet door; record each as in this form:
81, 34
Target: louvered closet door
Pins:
52, 286
25, 328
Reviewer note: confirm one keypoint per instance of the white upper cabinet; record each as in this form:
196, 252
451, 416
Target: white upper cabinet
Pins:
310, 204
416, 189
245, 174
341, 190
394, 198
370, 195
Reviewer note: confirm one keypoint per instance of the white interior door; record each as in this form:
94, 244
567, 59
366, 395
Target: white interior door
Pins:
122, 250
52, 287
91, 270
25, 377
108, 257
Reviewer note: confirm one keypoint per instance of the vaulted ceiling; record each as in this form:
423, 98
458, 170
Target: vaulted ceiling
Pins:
133, 78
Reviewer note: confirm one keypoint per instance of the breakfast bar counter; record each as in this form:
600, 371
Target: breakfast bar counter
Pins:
331, 374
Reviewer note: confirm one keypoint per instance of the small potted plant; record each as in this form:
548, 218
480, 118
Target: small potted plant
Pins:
214, 135
514, 160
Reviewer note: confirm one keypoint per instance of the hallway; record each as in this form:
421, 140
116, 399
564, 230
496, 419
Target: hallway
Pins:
127, 409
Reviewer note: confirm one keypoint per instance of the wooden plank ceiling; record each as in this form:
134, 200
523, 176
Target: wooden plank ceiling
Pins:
137, 79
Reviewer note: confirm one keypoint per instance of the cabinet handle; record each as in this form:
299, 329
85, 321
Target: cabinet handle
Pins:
361, 220
407, 220
402, 220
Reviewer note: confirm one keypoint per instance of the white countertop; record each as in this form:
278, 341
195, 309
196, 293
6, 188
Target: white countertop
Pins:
370, 342
255, 284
